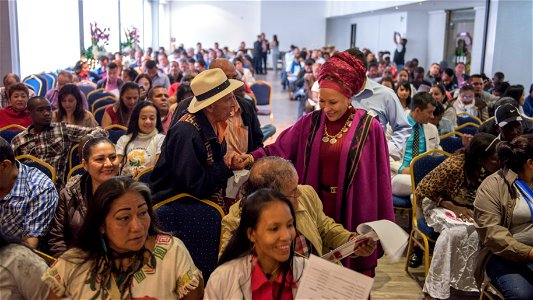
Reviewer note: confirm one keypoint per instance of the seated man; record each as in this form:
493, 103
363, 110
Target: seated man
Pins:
157, 77
28, 199
111, 83
424, 137
63, 78
316, 233
159, 95
507, 123
49, 141
192, 155
10, 79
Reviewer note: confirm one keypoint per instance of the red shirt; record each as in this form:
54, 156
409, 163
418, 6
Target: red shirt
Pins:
262, 288
9, 116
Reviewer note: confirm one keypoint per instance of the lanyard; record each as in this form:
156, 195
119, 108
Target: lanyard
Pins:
526, 191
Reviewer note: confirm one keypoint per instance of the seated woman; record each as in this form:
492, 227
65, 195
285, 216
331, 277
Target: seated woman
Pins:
259, 261
448, 192
120, 112
467, 102
503, 213
70, 108
244, 73
99, 161
121, 254
145, 85
141, 146
20, 270
17, 110
403, 91
439, 93
443, 125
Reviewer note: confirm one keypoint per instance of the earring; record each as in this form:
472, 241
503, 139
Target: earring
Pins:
104, 244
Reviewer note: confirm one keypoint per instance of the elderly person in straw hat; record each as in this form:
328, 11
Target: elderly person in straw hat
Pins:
192, 156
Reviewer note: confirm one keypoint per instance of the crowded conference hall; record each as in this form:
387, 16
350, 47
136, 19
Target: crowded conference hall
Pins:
180, 149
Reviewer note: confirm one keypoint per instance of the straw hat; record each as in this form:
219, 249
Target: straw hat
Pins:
210, 86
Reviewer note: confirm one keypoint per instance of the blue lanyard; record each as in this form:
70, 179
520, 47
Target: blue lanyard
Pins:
526, 191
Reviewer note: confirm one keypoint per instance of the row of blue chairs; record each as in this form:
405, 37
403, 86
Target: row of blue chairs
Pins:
41, 83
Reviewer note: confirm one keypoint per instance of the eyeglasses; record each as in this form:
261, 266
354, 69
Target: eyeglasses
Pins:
468, 97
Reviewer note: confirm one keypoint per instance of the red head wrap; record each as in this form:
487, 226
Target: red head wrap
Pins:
343, 73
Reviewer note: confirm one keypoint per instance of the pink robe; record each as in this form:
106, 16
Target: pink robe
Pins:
370, 193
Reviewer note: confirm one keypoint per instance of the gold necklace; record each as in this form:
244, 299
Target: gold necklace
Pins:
332, 139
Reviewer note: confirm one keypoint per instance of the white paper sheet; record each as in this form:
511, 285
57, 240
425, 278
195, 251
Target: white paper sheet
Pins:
322, 279
392, 237
393, 240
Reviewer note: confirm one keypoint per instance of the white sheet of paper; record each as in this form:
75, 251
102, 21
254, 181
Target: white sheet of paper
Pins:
393, 240
322, 279
392, 237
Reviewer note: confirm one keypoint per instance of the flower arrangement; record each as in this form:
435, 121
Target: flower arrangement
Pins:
99, 39
132, 39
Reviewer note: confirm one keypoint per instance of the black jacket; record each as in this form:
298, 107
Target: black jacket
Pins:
249, 119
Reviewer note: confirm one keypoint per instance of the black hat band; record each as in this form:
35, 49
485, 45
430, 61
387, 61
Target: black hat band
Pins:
213, 91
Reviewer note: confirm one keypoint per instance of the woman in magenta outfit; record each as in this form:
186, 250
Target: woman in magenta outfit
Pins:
342, 152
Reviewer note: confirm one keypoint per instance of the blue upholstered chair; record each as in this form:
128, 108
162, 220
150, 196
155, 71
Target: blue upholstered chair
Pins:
451, 142
98, 94
463, 118
103, 102
421, 165
36, 84
99, 114
86, 88
115, 132
144, 175
263, 96
32, 161
76, 170
197, 223
467, 128
50, 80
73, 157
10, 131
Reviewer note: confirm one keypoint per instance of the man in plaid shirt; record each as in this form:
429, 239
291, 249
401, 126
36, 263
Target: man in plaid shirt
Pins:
28, 200
49, 141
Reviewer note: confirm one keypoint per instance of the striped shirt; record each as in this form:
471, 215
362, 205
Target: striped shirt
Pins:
53, 145
30, 206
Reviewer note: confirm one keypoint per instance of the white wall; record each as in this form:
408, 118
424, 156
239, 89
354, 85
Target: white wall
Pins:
51, 43
338, 32
342, 8
417, 37
295, 22
477, 43
94, 11
373, 32
512, 45
436, 36
207, 22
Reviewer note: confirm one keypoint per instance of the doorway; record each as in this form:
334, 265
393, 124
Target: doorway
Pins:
459, 37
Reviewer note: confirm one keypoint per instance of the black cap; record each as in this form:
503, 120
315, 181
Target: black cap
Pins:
506, 114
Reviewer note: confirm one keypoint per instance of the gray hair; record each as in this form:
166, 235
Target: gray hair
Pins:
270, 172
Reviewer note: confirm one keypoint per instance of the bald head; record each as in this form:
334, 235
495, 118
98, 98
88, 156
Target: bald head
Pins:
227, 67
270, 172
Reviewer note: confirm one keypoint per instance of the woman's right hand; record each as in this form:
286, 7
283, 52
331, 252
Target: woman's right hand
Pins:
463, 213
